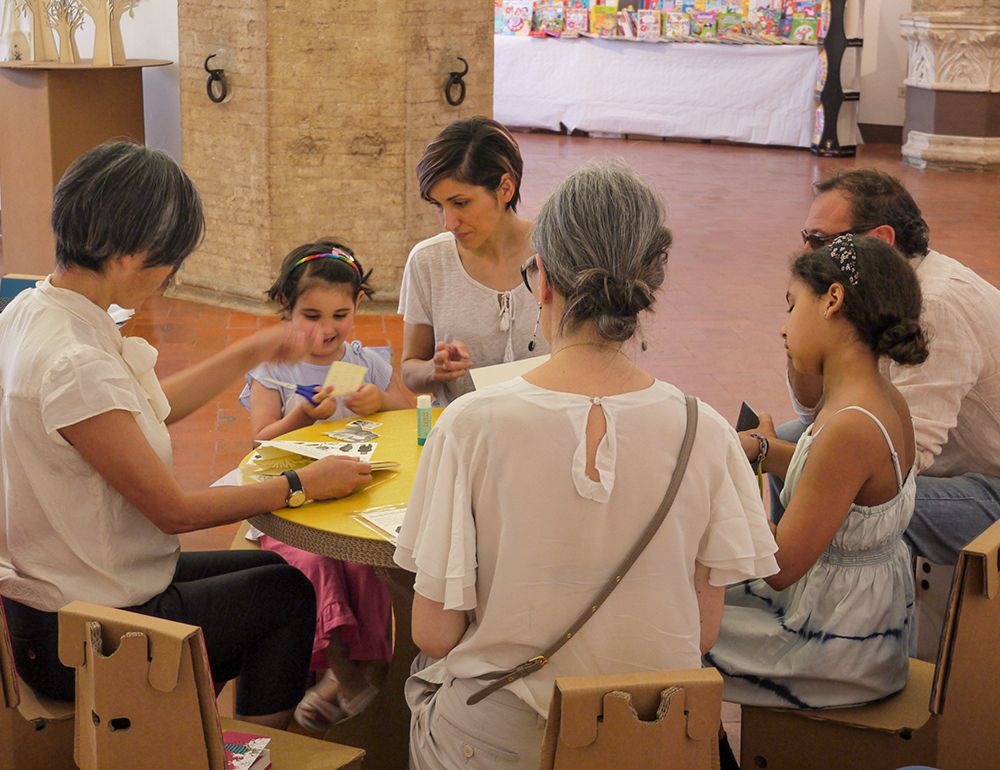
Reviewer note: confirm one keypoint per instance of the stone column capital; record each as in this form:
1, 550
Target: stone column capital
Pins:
952, 51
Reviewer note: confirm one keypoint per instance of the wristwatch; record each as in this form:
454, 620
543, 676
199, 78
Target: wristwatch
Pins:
296, 495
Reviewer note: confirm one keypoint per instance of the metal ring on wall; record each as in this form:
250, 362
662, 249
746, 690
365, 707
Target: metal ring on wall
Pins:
217, 93
455, 81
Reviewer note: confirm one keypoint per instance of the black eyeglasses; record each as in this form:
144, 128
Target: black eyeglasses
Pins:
529, 264
818, 240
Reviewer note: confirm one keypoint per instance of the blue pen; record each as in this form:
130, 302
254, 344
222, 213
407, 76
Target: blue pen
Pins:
306, 391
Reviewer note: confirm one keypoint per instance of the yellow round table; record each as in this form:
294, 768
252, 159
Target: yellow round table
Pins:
330, 528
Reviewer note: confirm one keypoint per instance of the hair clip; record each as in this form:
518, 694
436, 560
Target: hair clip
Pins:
338, 255
845, 253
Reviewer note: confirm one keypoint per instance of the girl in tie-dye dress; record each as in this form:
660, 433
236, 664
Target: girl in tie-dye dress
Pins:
832, 628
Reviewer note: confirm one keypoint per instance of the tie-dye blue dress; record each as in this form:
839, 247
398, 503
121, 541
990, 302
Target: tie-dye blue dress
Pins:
840, 635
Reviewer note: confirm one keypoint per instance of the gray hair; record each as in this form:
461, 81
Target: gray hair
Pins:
122, 198
603, 241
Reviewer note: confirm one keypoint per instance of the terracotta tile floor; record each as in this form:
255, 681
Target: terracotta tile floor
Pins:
735, 212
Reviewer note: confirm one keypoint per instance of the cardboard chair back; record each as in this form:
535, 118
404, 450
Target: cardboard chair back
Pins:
638, 720
944, 717
34, 731
143, 689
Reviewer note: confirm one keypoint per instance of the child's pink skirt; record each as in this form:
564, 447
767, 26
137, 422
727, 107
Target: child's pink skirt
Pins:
349, 597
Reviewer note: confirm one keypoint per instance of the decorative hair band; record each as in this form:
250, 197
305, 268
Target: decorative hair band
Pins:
842, 250
336, 254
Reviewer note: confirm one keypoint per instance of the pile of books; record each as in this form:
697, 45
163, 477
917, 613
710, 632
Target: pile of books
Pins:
763, 22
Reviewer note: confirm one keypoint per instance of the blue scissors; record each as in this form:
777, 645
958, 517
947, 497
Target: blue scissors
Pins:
307, 392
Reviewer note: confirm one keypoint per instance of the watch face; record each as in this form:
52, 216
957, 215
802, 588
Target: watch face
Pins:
296, 498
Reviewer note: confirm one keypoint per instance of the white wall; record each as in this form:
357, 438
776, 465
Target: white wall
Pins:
152, 34
883, 63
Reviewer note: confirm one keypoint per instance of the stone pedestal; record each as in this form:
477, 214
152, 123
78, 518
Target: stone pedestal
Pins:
330, 107
953, 89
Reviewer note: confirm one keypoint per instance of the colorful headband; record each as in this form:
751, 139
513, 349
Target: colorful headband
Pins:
843, 251
338, 255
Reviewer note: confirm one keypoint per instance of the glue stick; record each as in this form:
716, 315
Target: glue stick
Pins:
423, 418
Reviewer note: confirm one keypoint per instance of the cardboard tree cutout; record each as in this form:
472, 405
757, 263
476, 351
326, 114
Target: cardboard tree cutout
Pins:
66, 17
100, 12
43, 42
118, 9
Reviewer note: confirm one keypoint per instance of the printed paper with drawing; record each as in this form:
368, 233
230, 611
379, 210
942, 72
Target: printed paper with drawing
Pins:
385, 521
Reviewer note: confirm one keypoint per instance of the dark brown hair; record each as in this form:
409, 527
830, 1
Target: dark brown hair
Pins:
476, 151
294, 279
883, 305
880, 199
122, 198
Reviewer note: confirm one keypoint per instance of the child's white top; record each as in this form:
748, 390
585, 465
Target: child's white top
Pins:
504, 521
302, 373
65, 533
496, 326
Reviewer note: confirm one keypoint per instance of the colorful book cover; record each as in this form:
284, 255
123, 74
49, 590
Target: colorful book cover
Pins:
577, 21
497, 16
730, 23
716, 5
785, 27
703, 25
245, 751
821, 71
547, 20
648, 25
627, 24
517, 17
805, 8
823, 20
604, 21
677, 25
687, 6
804, 30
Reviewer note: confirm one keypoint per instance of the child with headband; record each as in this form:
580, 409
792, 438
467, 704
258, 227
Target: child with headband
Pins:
319, 288
832, 627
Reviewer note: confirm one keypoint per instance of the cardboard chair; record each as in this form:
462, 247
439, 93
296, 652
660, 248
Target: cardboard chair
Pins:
35, 732
947, 715
634, 721
144, 689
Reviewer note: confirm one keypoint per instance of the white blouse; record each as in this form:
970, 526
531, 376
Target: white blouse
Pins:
66, 534
504, 522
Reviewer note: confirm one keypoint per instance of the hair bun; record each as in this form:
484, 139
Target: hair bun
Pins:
612, 304
904, 342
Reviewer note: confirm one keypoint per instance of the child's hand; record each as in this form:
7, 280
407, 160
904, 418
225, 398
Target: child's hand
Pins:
322, 406
365, 400
451, 361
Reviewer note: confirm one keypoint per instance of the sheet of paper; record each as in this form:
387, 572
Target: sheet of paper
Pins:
364, 424
385, 521
485, 376
345, 378
317, 450
353, 434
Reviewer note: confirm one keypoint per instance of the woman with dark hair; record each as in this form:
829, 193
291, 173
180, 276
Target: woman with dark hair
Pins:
462, 301
511, 536
832, 626
90, 509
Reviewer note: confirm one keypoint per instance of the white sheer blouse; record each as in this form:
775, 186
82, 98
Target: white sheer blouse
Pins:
504, 522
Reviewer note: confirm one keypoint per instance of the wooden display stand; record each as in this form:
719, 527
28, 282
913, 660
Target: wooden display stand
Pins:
50, 113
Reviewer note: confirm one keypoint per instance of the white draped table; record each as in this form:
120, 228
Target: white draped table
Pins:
742, 93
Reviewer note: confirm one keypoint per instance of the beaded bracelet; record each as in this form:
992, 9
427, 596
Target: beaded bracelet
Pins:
764, 447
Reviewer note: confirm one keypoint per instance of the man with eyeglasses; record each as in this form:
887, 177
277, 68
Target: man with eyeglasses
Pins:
954, 397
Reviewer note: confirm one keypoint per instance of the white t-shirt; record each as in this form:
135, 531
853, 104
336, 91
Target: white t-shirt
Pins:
65, 534
495, 326
503, 521
954, 396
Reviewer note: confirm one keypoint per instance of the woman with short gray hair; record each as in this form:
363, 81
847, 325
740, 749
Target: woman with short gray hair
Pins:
90, 509
529, 494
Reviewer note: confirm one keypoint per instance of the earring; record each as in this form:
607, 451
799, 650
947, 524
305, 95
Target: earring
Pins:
642, 340
531, 342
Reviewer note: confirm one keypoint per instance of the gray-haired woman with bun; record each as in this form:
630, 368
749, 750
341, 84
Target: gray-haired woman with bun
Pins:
529, 494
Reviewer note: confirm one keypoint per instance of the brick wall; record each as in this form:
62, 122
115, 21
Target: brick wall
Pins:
332, 104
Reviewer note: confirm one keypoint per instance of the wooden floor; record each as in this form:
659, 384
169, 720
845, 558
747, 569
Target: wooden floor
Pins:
736, 213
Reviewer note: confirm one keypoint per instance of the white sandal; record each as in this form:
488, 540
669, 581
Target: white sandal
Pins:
328, 713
